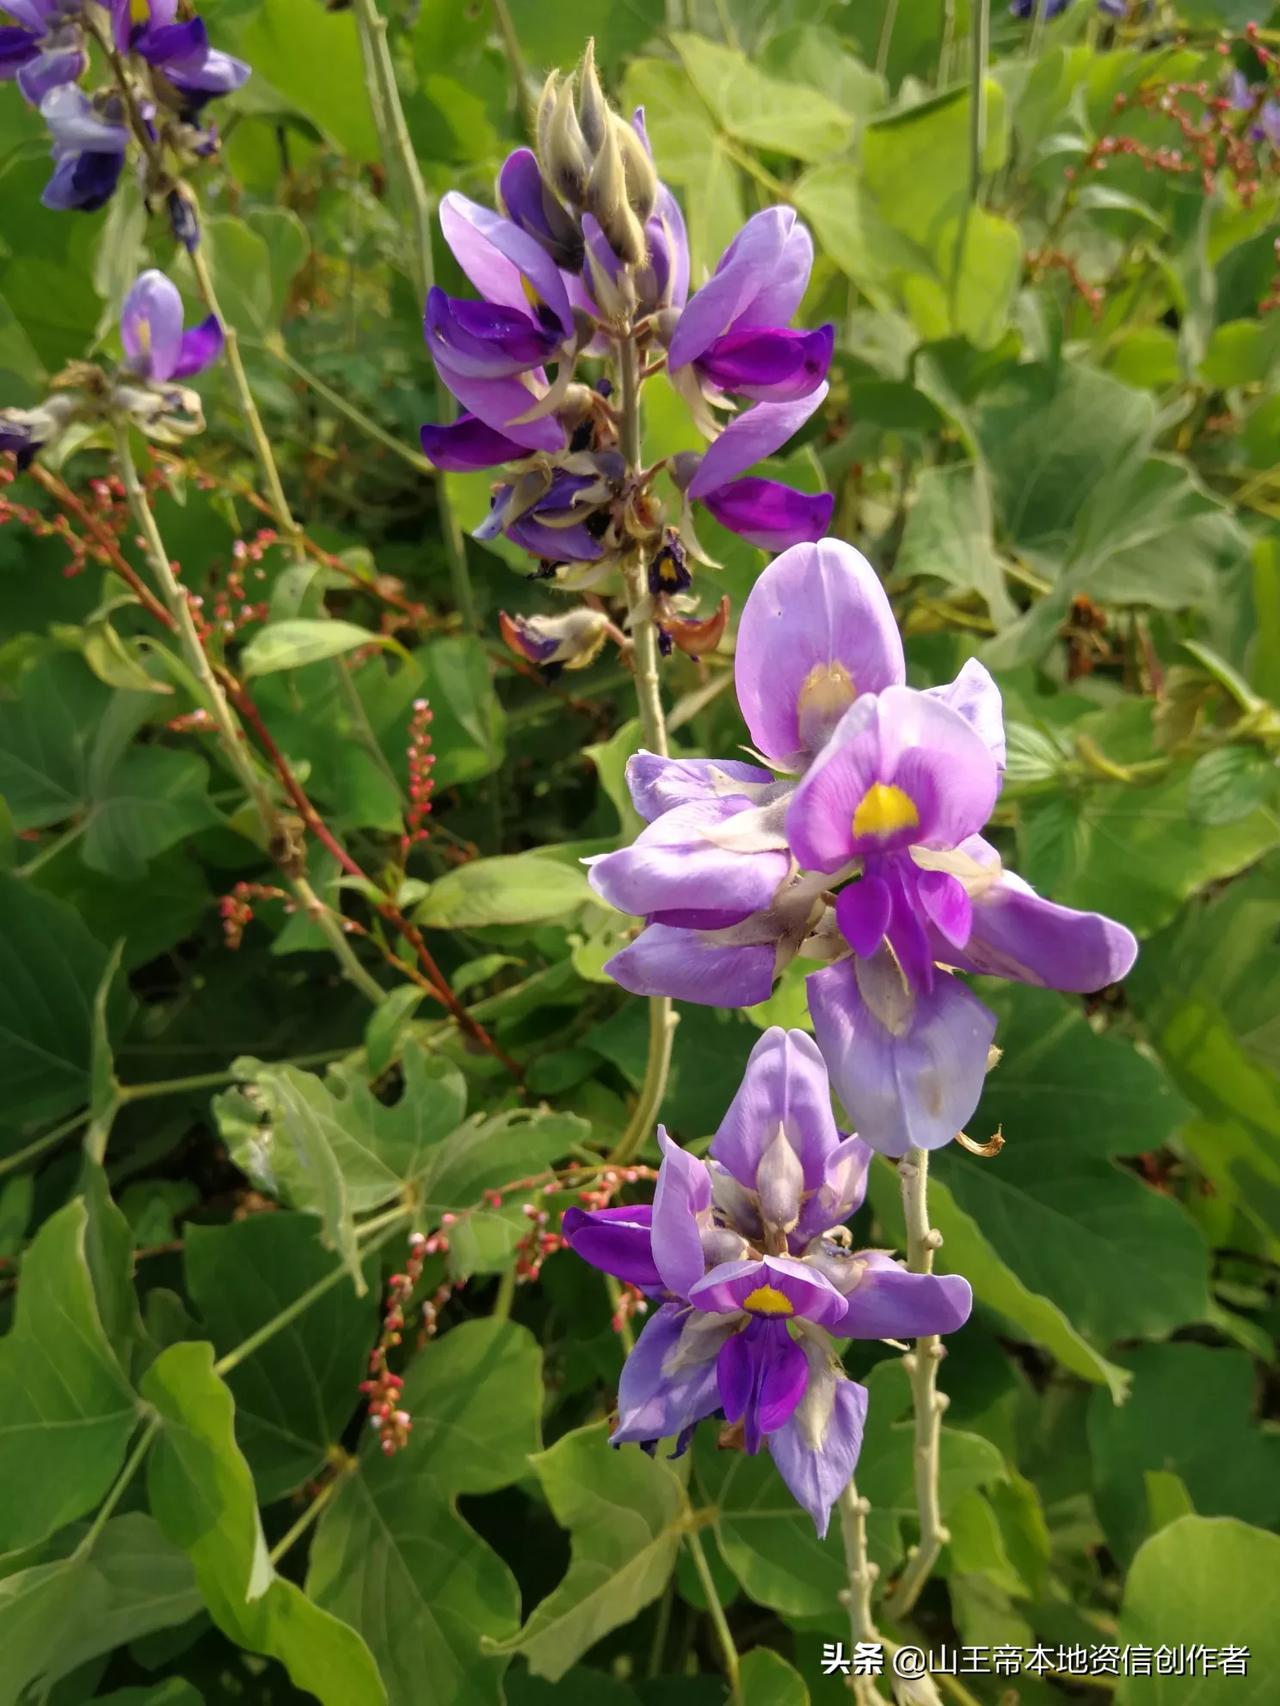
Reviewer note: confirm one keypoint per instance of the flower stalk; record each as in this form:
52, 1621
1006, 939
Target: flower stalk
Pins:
921, 1364
862, 1578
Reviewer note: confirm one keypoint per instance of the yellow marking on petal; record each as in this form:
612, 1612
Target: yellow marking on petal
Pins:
531, 295
767, 1300
139, 11
144, 335
825, 694
884, 810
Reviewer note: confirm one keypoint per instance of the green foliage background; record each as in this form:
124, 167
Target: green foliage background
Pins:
1089, 504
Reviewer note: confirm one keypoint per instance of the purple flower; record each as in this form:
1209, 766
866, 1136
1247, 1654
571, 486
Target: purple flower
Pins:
557, 516
466, 445
155, 345
24, 432
554, 643
45, 48
89, 146
764, 512
748, 1254
179, 53
490, 353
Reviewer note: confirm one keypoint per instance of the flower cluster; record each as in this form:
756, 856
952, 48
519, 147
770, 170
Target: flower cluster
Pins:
748, 1255
144, 389
587, 264
860, 846
167, 74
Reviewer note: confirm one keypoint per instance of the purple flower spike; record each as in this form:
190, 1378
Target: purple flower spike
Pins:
155, 344
816, 631
88, 151
908, 1064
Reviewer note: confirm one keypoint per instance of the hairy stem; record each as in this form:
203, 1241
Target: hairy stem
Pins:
276, 347
662, 1016
922, 1367
229, 733
402, 164
862, 1576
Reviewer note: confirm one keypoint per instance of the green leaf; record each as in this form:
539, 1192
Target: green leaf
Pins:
312, 57
66, 1409
1136, 852
761, 111
610, 759
294, 1397
1229, 784
469, 729
625, 1513
766, 1679
1191, 1412
391, 1554
1213, 1581
948, 537
202, 1496
293, 644
516, 888
996, 1285
58, 1615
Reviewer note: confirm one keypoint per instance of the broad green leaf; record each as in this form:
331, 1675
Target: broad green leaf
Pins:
291, 645
1191, 1411
517, 888
58, 1615
1228, 784
694, 155
66, 1409
948, 537
1135, 852
1215, 1582
392, 1555
763, 112
610, 759
294, 1397
966, 1249
313, 59
202, 1496
766, 1679
625, 1513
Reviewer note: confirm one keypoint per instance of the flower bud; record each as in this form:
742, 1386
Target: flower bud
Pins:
779, 1183
637, 167
571, 641
607, 200
593, 109
566, 159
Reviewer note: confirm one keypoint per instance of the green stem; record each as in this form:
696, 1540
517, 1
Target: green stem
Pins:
724, 1636
504, 1296
515, 61
275, 347
886, 37
233, 743
922, 1367
862, 1574
662, 1016
402, 163
312, 1512
978, 95
382, 1225
11, 1163
131, 1466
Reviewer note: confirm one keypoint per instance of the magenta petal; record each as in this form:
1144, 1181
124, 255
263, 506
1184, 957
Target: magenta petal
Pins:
615, 1240
691, 966
912, 1082
890, 1303
151, 325
769, 364
762, 1374
784, 1087
499, 403
658, 785
816, 1451
683, 1192
466, 445
758, 281
947, 905
1016, 934
669, 1381
673, 865
816, 631
736, 1376
783, 1377
768, 514
750, 437
862, 914
200, 348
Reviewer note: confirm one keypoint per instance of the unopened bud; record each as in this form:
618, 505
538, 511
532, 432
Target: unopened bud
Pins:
546, 106
593, 109
607, 200
566, 160
571, 641
779, 1183
641, 179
